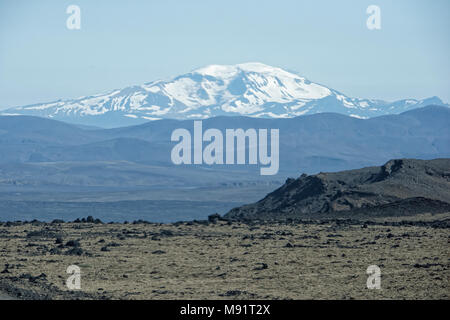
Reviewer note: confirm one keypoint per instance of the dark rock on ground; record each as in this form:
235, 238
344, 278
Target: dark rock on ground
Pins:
262, 266
76, 251
72, 243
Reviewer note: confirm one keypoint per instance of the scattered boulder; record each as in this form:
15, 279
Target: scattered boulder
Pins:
262, 266
76, 251
214, 218
73, 243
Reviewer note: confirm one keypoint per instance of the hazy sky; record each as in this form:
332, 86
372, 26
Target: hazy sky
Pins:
130, 42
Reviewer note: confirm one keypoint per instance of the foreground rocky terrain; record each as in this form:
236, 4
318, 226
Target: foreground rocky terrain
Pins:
313, 238
308, 259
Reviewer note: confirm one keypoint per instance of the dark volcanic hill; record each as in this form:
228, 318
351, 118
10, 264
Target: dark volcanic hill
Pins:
400, 187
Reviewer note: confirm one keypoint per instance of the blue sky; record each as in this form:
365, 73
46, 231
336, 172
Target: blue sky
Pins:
130, 42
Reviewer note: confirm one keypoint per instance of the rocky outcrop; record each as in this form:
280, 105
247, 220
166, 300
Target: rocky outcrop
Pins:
405, 184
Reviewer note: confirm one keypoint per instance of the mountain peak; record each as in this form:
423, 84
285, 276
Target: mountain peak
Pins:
217, 70
253, 89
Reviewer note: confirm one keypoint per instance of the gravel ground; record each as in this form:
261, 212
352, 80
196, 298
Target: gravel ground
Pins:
200, 260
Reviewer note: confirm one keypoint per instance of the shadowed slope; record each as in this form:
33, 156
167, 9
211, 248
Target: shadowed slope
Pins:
404, 183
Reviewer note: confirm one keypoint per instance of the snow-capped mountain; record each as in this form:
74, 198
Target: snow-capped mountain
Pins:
250, 89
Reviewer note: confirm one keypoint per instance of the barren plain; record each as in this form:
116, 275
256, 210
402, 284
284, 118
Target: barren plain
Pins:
322, 259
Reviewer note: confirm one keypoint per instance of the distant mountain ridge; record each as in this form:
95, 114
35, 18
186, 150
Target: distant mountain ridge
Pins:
69, 170
35, 151
249, 89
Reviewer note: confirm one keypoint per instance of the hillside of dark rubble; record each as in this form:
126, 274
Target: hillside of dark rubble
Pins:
399, 187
